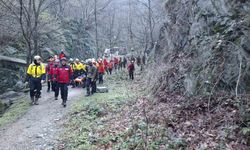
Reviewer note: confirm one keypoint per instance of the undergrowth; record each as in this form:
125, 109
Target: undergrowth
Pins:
14, 112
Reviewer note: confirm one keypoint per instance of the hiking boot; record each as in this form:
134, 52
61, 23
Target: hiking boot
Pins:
36, 101
32, 101
64, 103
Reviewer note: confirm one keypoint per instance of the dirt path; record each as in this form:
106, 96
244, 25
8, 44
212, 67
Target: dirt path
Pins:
38, 129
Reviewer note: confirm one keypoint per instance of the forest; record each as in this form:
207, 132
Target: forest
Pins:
191, 67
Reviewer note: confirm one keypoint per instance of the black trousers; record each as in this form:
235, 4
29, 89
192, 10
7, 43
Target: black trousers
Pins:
131, 75
101, 78
91, 86
49, 83
55, 88
35, 87
110, 71
64, 91
94, 88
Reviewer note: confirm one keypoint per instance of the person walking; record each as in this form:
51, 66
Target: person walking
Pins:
91, 78
73, 67
131, 69
124, 62
110, 67
101, 71
48, 67
116, 63
105, 62
36, 75
54, 75
64, 75
78, 69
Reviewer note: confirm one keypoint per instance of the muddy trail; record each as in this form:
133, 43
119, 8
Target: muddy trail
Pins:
40, 127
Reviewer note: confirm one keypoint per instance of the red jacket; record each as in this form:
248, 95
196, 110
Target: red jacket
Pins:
131, 67
53, 73
116, 60
110, 65
61, 55
64, 74
48, 67
105, 62
101, 68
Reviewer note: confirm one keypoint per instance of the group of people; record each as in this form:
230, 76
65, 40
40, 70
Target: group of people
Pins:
114, 64
61, 72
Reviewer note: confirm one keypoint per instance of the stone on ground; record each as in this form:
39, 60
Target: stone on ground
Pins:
102, 90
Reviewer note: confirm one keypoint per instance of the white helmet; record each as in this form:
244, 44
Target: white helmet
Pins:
77, 60
37, 57
71, 59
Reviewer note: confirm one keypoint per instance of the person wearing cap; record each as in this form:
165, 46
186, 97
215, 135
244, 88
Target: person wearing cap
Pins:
64, 75
36, 75
91, 78
131, 69
48, 67
53, 79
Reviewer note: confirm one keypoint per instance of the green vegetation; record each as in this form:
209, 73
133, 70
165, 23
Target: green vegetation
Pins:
88, 116
14, 112
115, 120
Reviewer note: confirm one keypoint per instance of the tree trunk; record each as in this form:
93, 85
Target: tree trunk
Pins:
96, 31
150, 23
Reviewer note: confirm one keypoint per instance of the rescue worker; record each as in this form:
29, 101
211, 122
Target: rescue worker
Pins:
105, 62
110, 67
131, 69
91, 78
78, 69
124, 62
53, 72
138, 60
84, 68
73, 67
84, 73
120, 63
116, 63
48, 67
64, 75
101, 71
62, 54
36, 75
96, 65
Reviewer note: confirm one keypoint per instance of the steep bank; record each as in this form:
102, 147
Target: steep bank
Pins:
205, 42
201, 74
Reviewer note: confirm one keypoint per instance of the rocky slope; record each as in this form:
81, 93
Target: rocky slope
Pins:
205, 42
201, 73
